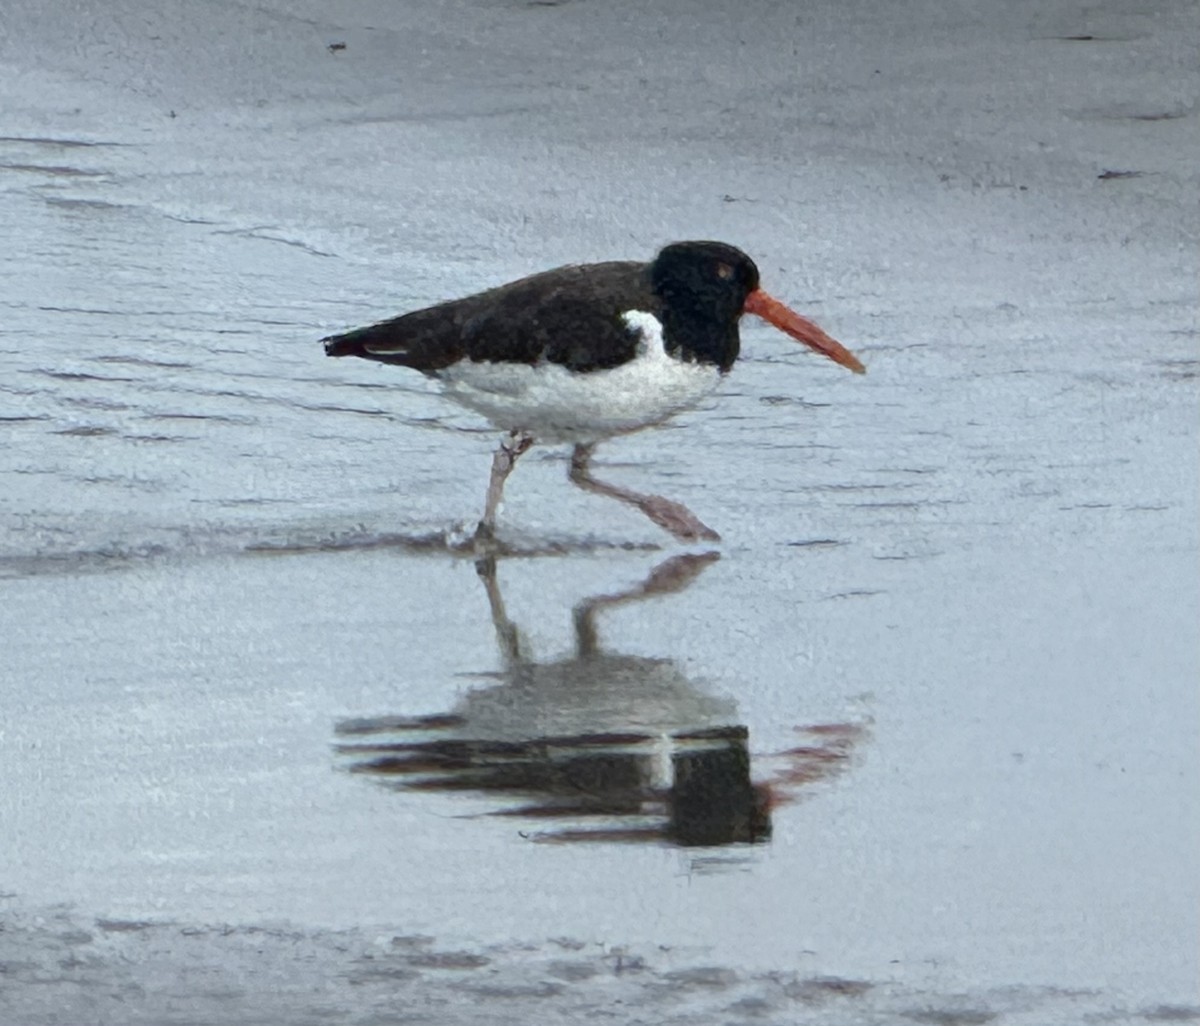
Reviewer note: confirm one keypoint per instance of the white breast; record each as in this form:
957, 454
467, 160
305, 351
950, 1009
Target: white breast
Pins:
559, 405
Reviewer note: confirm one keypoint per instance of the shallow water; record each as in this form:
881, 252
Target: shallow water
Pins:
917, 739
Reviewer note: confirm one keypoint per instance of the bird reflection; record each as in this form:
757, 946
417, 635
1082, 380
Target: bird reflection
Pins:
609, 747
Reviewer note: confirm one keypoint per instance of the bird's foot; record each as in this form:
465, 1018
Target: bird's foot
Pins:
677, 518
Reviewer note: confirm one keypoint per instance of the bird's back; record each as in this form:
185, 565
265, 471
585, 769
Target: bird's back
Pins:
571, 316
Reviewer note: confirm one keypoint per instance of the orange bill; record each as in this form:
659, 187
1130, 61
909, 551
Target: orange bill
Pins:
801, 329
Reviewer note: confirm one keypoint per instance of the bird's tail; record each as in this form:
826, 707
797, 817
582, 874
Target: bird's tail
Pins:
355, 343
426, 340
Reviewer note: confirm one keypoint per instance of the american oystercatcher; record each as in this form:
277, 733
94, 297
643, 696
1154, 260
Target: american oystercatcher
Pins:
582, 353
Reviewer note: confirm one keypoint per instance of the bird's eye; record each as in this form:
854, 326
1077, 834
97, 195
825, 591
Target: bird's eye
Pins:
724, 272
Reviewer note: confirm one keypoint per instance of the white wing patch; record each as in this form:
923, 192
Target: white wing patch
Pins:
559, 405
648, 327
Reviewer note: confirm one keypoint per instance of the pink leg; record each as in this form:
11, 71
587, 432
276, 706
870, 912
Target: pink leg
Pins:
503, 462
671, 516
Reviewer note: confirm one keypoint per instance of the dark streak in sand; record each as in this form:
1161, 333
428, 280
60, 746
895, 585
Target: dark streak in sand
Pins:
81, 376
87, 431
142, 361
125, 925
57, 170
949, 1017
1173, 1013
39, 140
1171, 115
217, 417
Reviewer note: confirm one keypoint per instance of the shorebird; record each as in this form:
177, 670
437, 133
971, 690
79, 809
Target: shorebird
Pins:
587, 352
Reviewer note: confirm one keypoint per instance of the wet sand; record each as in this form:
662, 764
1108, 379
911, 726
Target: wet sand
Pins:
916, 741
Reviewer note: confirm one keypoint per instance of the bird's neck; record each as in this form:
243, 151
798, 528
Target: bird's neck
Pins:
699, 338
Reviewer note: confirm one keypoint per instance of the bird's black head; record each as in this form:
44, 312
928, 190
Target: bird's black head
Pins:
708, 272
703, 286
